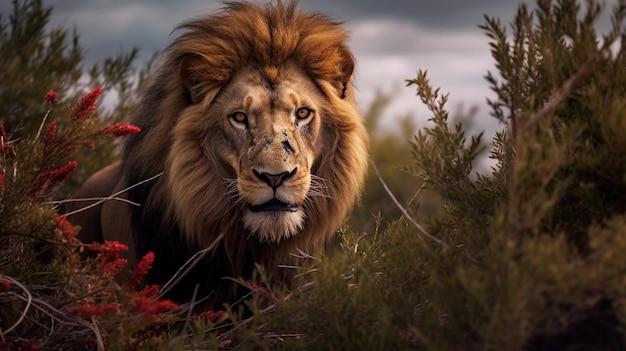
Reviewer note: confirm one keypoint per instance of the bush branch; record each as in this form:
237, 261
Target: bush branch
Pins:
113, 196
405, 213
185, 268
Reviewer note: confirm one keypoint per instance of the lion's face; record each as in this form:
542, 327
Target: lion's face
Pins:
253, 120
273, 127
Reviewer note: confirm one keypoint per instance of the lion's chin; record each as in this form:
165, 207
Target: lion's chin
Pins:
274, 226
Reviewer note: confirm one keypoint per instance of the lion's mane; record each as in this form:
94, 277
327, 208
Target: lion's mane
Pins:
187, 212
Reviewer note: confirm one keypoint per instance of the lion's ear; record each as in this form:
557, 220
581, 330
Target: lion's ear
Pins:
346, 66
188, 70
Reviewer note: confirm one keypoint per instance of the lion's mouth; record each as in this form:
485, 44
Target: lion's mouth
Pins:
274, 205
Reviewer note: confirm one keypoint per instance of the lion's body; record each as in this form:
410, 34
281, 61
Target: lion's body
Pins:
251, 119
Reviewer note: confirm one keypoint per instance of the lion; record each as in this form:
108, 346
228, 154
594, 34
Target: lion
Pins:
251, 144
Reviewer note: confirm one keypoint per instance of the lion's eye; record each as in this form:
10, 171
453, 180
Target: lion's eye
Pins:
239, 117
304, 113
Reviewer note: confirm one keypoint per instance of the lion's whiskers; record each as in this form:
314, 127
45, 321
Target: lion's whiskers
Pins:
232, 192
318, 188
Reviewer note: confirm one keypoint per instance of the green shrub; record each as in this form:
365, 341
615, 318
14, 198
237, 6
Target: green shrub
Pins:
36, 58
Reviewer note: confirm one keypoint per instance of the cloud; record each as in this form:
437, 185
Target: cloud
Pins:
391, 39
442, 15
390, 52
108, 28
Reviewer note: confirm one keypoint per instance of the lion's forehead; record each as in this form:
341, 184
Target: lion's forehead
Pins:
256, 91
261, 99
272, 135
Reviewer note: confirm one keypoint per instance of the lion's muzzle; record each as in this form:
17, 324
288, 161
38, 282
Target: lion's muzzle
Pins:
274, 180
275, 211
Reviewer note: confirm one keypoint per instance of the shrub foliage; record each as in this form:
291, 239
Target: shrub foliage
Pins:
526, 257
36, 58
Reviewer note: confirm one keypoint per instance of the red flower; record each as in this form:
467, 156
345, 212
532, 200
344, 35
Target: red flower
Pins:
87, 105
52, 178
210, 315
148, 291
51, 97
58, 175
156, 307
89, 145
151, 309
50, 133
86, 311
112, 307
143, 267
109, 256
65, 227
118, 130
112, 266
108, 247
5, 285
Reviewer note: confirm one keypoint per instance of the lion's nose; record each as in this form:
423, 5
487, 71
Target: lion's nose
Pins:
274, 180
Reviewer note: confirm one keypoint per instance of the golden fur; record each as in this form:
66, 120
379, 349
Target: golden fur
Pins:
249, 104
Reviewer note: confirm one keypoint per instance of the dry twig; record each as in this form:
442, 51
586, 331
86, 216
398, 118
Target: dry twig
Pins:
405, 213
185, 268
114, 196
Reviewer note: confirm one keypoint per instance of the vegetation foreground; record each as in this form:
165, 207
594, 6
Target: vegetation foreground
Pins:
526, 257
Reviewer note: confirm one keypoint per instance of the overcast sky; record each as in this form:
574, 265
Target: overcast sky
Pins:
391, 40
